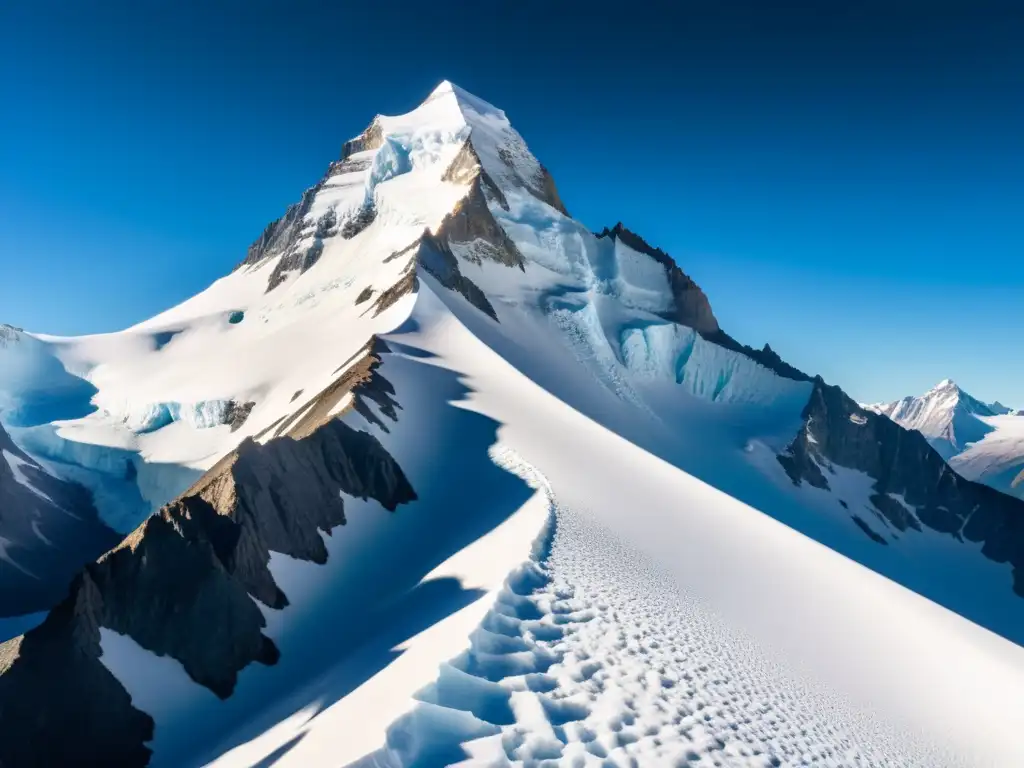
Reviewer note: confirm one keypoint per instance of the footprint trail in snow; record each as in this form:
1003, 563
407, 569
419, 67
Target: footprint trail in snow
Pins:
591, 656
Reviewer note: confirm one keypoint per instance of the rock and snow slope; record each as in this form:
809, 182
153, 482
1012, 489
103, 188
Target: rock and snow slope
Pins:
981, 441
362, 430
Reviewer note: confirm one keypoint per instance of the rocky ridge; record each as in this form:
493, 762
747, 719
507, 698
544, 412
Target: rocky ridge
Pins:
839, 432
183, 583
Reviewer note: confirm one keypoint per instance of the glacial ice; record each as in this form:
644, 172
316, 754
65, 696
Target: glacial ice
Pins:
202, 415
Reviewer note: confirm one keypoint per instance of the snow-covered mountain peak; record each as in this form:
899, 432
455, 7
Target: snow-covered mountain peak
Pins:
464, 101
422, 320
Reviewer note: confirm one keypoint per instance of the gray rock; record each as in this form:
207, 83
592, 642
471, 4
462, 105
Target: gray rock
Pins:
237, 414
690, 306
182, 584
838, 432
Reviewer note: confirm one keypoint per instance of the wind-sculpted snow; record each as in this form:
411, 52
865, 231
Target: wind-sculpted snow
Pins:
424, 312
591, 655
35, 386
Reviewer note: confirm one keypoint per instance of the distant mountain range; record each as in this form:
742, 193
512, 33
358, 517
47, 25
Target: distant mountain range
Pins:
981, 441
439, 476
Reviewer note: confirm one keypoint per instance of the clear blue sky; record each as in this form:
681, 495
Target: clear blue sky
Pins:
847, 184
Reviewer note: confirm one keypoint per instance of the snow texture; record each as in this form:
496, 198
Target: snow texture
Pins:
686, 605
592, 656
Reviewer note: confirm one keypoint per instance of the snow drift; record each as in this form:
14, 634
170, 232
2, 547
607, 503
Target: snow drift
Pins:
471, 484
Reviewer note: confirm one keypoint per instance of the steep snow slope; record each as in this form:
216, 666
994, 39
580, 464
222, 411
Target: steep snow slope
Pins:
982, 442
998, 458
669, 622
427, 349
137, 416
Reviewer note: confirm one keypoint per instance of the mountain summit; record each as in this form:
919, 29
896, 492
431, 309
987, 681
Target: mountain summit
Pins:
981, 441
945, 414
438, 476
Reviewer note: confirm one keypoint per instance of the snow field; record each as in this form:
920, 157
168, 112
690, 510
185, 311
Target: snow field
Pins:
592, 656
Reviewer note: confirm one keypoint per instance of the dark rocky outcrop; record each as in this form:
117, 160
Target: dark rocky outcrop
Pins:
359, 221
433, 255
50, 528
541, 185
183, 583
868, 531
237, 414
766, 356
548, 192
371, 138
406, 284
690, 306
364, 295
436, 257
838, 432
300, 243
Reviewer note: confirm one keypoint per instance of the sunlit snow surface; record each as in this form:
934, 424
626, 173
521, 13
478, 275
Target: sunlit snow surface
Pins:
593, 655
665, 624
606, 564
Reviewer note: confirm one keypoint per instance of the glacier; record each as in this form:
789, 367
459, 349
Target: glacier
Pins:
604, 563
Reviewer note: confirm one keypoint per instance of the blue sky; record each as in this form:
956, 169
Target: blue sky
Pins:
847, 183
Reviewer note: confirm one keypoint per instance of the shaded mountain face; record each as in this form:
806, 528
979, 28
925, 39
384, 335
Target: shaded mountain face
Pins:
255, 415
184, 583
49, 529
981, 441
901, 463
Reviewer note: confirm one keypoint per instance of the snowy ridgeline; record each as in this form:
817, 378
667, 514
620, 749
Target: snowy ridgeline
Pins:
659, 621
591, 655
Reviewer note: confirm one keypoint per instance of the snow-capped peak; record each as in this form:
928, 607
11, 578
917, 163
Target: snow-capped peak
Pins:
464, 100
947, 415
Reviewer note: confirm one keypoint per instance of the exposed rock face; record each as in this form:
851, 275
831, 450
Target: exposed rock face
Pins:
59, 705
466, 167
549, 193
237, 414
49, 528
355, 224
364, 295
299, 242
837, 431
436, 257
406, 284
182, 584
690, 306
471, 227
371, 138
